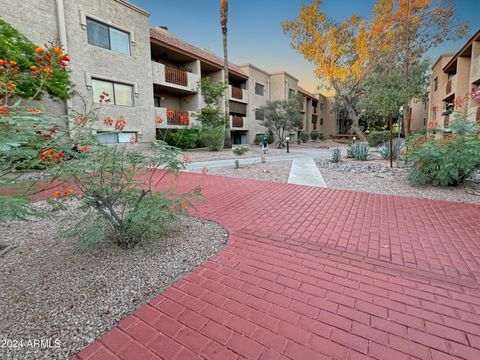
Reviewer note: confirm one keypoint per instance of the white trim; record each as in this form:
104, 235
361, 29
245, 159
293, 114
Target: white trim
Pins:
90, 76
83, 23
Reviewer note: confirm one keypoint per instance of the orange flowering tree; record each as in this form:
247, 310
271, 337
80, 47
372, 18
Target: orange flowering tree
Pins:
37, 70
339, 50
114, 186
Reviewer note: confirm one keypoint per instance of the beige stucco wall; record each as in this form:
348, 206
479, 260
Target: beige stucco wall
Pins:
436, 96
88, 60
419, 115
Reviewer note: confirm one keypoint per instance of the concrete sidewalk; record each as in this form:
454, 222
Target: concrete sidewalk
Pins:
304, 171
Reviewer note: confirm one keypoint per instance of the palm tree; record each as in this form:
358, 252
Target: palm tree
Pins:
223, 23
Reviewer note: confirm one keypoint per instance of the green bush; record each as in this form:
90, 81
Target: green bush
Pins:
445, 161
315, 135
240, 150
213, 136
358, 151
376, 138
384, 149
187, 138
336, 155
304, 136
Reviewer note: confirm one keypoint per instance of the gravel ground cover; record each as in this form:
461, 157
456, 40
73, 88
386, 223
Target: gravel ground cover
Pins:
375, 176
277, 171
53, 290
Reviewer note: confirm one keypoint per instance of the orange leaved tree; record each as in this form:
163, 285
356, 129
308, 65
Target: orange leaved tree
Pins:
339, 50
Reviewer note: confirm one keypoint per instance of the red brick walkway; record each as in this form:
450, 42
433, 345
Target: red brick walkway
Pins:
311, 273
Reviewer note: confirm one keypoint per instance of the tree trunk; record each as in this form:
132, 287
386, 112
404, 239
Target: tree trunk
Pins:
352, 113
223, 23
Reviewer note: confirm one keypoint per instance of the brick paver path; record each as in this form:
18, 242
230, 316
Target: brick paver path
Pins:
312, 273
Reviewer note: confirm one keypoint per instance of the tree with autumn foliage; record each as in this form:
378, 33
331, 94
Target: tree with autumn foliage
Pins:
401, 31
340, 51
398, 34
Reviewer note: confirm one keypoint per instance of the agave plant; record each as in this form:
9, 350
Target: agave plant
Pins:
384, 149
336, 155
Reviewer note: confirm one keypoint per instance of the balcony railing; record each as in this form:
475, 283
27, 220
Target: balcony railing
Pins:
175, 76
237, 121
448, 87
176, 117
237, 93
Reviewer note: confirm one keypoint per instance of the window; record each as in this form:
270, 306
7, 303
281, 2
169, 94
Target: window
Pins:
115, 138
291, 93
321, 121
259, 89
321, 106
434, 114
259, 114
435, 84
314, 105
108, 37
114, 93
156, 101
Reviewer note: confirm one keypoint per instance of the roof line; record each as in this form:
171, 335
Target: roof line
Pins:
462, 49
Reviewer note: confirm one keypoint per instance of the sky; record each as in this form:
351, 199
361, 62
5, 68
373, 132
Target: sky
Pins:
255, 34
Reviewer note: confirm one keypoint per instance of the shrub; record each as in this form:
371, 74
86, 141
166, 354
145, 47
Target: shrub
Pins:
384, 149
445, 161
240, 150
376, 138
184, 138
117, 204
304, 136
236, 164
315, 135
336, 155
358, 151
213, 136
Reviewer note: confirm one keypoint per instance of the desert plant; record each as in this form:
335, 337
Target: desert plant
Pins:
445, 161
384, 149
336, 155
304, 136
358, 151
240, 150
315, 135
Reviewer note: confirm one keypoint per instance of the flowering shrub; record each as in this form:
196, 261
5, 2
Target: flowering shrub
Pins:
114, 186
447, 160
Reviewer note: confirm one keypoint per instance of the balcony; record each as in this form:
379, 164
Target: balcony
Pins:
175, 76
171, 77
236, 121
172, 118
448, 88
238, 94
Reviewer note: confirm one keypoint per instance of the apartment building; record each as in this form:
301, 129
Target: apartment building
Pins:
150, 75
453, 77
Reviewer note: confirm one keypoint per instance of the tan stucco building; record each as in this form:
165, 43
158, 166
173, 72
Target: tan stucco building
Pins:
454, 76
152, 77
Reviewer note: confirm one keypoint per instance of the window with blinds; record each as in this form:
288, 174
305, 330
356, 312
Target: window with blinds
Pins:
107, 37
259, 114
259, 89
109, 92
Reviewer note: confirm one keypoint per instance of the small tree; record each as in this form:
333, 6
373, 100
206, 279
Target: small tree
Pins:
281, 117
212, 131
386, 92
